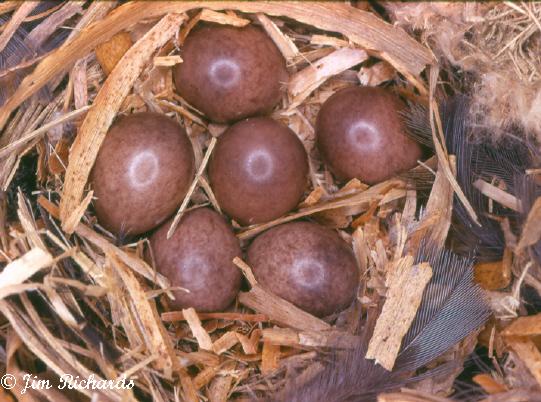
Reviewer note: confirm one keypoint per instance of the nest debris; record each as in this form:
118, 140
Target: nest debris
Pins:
74, 301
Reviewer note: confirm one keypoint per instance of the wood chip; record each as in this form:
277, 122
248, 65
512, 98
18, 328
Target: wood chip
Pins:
37, 36
28, 223
80, 83
489, 384
157, 339
494, 275
324, 40
280, 310
42, 130
436, 219
221, 18
15, 21
200, 357
498, 195
219, 389
225, 342
8, 6
445, 162
167, 61
406, 284
375, 75
270, 358
58, 159
524, 326
187, 197
531, 231
303, 83
530, 355
105, 106
204, 377
134, 263
72, 220
21, 269
326, 339
314, 197
353, 203
249, 345
179, 316
199, 333
190, 392
276, 308
288, 49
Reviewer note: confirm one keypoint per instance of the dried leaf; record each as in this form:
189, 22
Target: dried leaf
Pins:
110, 52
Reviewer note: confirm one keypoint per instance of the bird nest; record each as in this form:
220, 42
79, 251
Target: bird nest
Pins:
76, 301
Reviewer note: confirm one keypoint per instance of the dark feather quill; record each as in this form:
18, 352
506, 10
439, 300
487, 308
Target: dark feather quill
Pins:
451, 309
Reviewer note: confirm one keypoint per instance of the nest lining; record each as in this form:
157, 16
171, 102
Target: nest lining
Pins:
92, 292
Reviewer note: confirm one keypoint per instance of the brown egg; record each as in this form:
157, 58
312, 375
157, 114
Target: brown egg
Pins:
198, 257
230, 73
360, 134
307, 265
258, 170
142, 172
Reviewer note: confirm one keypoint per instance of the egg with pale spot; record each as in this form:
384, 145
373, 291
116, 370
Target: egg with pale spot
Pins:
258, 170
199, 259
142, 173
230, 73
360, 134
307, 265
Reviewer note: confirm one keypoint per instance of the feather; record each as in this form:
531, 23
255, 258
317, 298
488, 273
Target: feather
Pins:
18, 50
349, 377
15, 51
452, 307
475, 160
